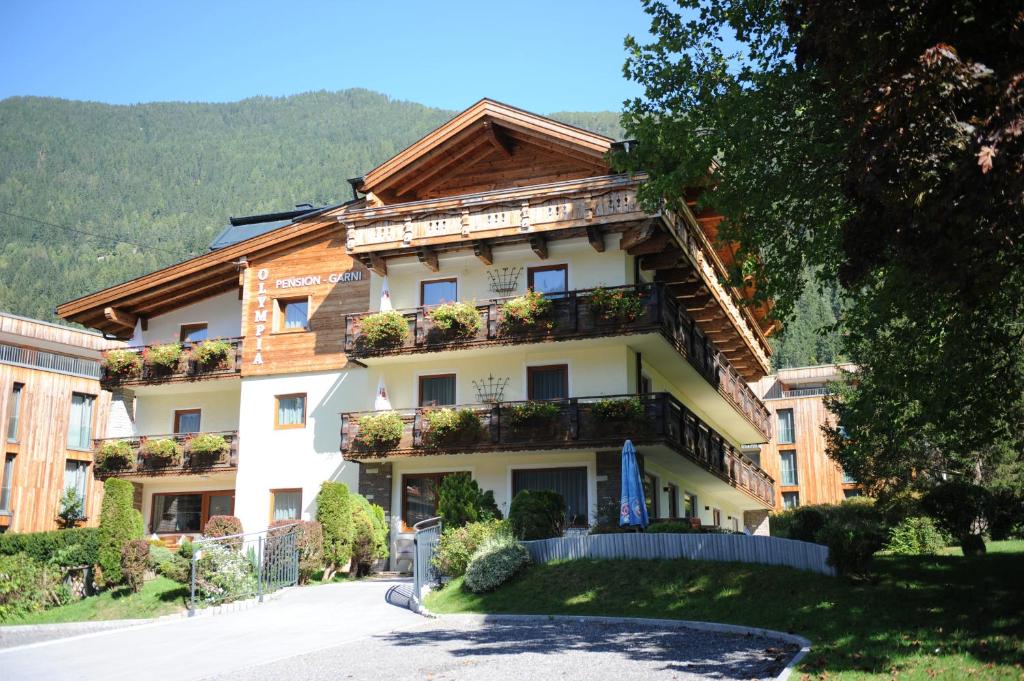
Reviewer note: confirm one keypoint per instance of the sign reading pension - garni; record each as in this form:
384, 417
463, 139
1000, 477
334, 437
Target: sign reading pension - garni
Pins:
263, 275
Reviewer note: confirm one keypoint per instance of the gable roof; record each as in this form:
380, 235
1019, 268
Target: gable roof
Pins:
488, 130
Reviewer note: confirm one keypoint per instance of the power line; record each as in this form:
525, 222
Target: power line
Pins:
102, 237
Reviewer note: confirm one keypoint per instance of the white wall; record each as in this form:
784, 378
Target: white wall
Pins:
586, 269
155, 412
222, 314
300, 457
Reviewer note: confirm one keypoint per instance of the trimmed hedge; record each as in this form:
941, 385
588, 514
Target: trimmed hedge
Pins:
853, 531
67, 548
370, 534
27, 586
334, 513
119, 524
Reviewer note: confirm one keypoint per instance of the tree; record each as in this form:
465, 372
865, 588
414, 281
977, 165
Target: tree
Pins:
120, 523
334, 512
882, 145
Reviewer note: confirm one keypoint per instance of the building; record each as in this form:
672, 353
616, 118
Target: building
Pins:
492, 203
53, 408
795, 456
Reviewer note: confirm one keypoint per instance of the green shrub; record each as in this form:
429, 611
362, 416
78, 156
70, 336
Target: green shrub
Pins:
487, 508
915, 537
457, 499
161, 452
134, 563
369, 534
28, 586
176, 568
221, 574
532, 413
207, 446
210, 353
383, 330
496, 561
115, 455
529, 312
458, 544
853, 533
449, 426
619, 305
122, 363
1005, 513
380, 430
959, 508
456, 320
158, 553
803, 523
537, 514
66, 548
334, 513
71, 508
163, 357
309, 541
619, 409
225, 526
119, 524
672, 527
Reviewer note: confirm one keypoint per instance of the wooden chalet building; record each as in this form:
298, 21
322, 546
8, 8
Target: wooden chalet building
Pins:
493, 203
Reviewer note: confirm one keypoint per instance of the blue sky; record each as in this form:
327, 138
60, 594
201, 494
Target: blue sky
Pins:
542, 56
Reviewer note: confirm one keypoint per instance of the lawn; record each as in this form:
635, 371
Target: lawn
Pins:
160, 596
918, 618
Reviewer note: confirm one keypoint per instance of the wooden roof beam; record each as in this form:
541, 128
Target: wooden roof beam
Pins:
540, 246
120, 318
375, 263
676, 276
596, 238
637, 235
665, 260
482, 250
655, 244
428, 257
497, 139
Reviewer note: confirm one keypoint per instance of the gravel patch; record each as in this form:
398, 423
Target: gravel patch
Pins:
470, 647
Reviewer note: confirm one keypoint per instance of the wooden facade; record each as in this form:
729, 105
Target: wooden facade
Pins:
40, 442
802, 391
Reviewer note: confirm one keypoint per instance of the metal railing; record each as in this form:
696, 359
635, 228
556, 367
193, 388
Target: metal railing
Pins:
249, 565
49, 361
190, 462
427, 534
574, 315
186, 369
576, 423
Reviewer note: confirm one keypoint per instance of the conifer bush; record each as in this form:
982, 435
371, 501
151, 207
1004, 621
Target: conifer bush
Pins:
537, 514
119, 524
457, 499
369, 534
334, 513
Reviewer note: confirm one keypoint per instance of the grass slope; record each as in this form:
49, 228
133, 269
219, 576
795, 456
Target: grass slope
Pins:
919, 618
160, 596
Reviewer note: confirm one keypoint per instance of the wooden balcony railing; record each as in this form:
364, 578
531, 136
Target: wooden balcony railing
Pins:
578, 422
190, 463
574, 316
187, 368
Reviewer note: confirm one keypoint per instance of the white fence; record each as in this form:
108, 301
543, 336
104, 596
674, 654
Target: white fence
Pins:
736, 548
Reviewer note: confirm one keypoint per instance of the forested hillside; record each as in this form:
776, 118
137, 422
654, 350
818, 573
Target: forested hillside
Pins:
151, 184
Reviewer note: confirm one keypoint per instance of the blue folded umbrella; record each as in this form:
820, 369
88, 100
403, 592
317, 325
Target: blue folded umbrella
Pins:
633, 509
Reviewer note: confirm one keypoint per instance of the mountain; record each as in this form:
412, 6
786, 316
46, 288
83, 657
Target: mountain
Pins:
95, 194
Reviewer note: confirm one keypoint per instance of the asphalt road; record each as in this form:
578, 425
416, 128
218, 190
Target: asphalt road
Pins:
350, 631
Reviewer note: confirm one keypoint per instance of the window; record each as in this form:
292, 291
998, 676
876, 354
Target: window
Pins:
293, 314
286, 504
438, 291
851, 493
848, 479
419, 496
193, 333
437, 390
290, 411
80, 423
5, 490
716, 517
651, 495
187, 420
76, 477
14, 412
547, 382
673, 500
787, 467
790, 500
180, 513
787, 435
571, 483
548, 279
689, 505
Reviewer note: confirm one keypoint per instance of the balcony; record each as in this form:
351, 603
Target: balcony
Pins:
143, 371
188, 463
574, 423
574, 317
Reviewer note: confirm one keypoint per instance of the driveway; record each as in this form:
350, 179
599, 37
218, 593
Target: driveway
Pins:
350, 631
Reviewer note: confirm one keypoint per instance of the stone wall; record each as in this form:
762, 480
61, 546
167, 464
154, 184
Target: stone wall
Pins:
375, 485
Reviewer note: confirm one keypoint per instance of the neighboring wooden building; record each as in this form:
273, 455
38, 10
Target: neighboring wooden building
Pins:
52, 407
795, 456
